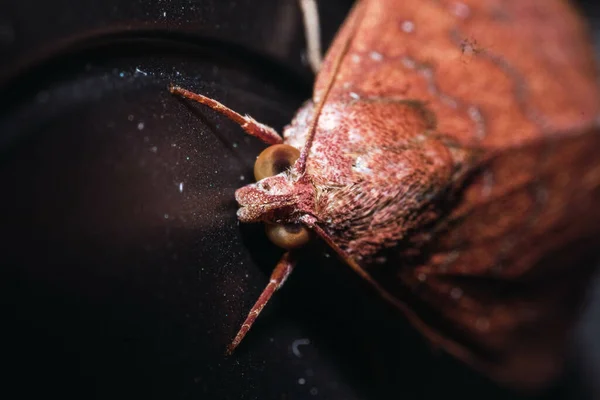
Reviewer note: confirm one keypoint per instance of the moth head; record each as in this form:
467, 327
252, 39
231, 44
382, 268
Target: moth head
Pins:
278, 198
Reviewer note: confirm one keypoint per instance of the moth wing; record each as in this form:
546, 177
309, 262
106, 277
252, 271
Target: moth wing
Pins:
502, 277
479, 285
494, 73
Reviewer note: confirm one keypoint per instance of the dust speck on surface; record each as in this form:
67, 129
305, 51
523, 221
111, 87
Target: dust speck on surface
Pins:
297, 343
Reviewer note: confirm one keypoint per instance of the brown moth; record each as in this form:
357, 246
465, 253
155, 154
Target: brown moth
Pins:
478, 183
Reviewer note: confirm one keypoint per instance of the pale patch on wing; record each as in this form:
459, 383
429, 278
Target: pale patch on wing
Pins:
330, 118
354, 135
295, 133
361, 166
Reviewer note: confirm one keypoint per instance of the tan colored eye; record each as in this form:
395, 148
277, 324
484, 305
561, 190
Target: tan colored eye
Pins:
288, 236
274, 160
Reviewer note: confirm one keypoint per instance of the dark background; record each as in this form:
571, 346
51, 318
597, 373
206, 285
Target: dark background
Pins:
124, 271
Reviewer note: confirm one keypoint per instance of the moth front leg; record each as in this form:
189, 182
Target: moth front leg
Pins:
312, 31
280, 274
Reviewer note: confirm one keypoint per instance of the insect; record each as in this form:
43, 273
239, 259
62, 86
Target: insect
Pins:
465, 194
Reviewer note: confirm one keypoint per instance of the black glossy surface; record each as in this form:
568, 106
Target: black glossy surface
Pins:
124, 270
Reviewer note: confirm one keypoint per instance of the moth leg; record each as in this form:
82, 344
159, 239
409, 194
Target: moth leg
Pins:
312, 31
280, 274
249, 124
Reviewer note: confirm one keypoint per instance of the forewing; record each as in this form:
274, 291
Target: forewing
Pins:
502, 277
495, 73
499, 279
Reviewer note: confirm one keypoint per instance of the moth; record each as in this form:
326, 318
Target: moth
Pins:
465, 193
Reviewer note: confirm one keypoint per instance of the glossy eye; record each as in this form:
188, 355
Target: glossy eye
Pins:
288, 236
274, 160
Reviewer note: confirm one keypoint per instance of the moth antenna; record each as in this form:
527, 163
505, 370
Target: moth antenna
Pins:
248, 124
414, 319
301, 163
280, 274
312, 31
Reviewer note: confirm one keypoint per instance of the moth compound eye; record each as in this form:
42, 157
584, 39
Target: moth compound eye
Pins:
288, 236
274, 160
